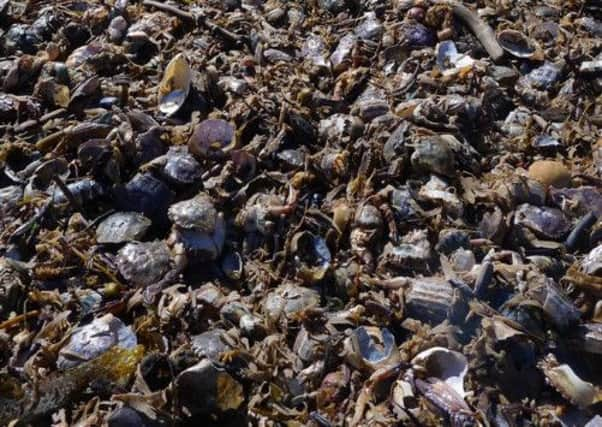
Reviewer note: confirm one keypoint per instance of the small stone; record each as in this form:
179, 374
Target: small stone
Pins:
550, 172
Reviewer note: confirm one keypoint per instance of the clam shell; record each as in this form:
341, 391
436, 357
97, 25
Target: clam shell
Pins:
175, 85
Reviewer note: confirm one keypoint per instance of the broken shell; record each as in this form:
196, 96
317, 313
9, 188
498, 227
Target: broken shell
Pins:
443, 364
372, 348
566, 382
312, 256
547, 223
122, 227
517, 44
204, 389
592, 263
550, 173
90, 341
175, 85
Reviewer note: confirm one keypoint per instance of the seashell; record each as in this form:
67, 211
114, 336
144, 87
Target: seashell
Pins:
518, 44
372, 348
212, 137
566, 382
210, 344
434, 155
341, 57
181, 167
592, 263
556, 305
446, 365
232, 265
143, 263
550, 173
288, 300
175, 85
145, 194
431, 300
414, 252
548, 223
90, 341
312, 256
122, 227
196, 213
204, 389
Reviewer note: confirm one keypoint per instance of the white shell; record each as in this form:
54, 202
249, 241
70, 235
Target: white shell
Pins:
175, 85
447, 365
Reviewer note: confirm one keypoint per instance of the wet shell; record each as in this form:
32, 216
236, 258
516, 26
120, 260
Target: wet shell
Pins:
517, 44
175, 85
122, 227
434, 155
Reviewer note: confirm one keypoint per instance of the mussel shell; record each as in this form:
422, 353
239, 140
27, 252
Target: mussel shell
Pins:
289, 299
175, 85
211, 344
204, 389
516, 43
312, 255
211, 137
434, 155
373, 348
592, 263
145, 194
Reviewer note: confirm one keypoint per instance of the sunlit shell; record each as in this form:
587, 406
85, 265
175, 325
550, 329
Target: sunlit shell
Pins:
372, 348
446, 365
90, 341
592, 263
175, 86
122, 227
143, 263
211, 136
517, 44
198, 213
